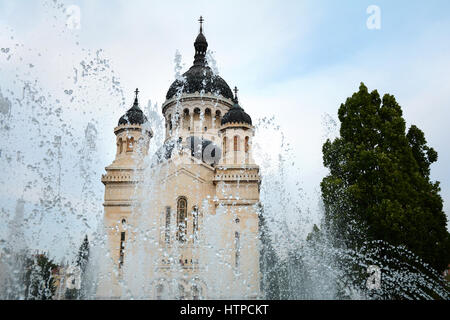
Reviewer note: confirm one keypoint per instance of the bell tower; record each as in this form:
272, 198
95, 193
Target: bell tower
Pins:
132, 140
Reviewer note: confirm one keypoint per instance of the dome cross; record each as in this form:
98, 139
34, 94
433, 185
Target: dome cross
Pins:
201, 20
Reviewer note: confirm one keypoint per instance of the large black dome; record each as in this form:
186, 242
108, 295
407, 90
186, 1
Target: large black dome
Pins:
134, 115
200, 77
236, 115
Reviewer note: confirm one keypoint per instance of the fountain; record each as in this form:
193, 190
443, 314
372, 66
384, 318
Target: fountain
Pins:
259, 249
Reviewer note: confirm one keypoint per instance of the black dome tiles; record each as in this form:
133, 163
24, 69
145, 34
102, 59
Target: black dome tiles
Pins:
200, 79
236, 115
134, 115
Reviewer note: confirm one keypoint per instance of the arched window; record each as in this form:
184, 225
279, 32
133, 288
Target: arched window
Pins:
195, 223
130, 144
186, 119
159, 291
208, 119
224, 146
236, 148
122, 249
196, 292
247, 149
218, 119
236, 143
181, 219
167, 228
120, 145
181, 292
237, 243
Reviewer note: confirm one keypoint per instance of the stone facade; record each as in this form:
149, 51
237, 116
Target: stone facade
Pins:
181, 226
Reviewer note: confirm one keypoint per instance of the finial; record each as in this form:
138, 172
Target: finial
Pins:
136, 97
201, 23
235, 94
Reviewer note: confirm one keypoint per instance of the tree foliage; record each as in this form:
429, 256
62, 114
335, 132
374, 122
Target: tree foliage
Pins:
40, 280
379, 184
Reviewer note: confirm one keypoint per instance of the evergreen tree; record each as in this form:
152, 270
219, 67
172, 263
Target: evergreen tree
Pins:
40, 281
83, 255
81, 262
378, 187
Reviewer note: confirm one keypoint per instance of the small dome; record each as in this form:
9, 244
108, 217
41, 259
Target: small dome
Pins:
134, 115
236, 115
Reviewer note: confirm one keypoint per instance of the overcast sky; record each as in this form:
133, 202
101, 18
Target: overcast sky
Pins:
295, 60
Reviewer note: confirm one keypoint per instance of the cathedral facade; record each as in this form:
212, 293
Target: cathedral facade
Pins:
183, 223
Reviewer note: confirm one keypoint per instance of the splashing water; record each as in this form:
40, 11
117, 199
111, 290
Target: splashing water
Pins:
55, 150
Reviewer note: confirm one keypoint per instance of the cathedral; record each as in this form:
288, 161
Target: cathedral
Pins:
183, 222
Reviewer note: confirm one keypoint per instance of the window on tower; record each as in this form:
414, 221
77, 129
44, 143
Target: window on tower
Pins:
130, 144
224, 146
181, 219
167, 228
120, 146
122, 248
236, 143
195, 223
237, 243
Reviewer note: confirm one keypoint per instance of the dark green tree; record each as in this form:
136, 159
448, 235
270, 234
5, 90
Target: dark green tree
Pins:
379, 187
40, 279
82, 261
83, 255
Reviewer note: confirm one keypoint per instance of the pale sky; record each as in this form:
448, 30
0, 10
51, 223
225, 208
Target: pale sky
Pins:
295, 60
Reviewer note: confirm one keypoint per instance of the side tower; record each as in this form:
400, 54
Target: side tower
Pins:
120, 180
237, 183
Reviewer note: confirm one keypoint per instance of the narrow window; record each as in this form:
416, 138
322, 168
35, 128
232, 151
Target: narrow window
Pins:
247, 148
122, 247
224, 147
167, 228
195, 223
236, 148
181, 219
195, 292
237, 249
159, 291
130, 143
120, 146
181, 292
